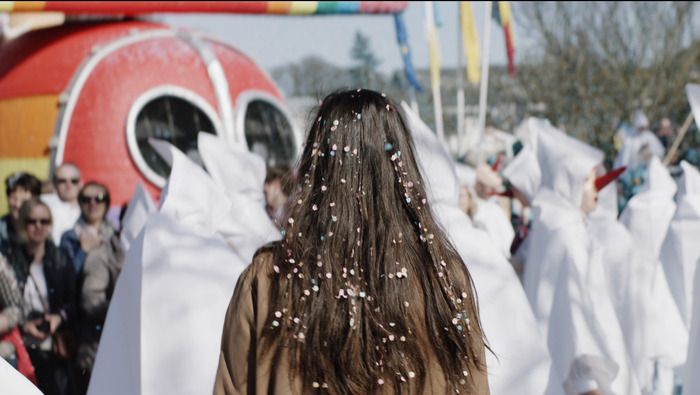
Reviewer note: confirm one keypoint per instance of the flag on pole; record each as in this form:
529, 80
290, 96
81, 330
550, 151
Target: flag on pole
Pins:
402, 38
470, 40
436, 14
503, 15
434, 53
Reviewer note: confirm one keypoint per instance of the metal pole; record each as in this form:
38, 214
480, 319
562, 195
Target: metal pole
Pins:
460, 81
437, 99
484, 87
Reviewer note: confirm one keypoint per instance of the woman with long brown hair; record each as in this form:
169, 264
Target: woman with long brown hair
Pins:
364, 294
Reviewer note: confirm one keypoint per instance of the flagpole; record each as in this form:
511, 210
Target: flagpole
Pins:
437, 99
414, 101
483, 88
460, 80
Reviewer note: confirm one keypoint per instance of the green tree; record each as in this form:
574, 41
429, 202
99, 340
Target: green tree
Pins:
364, 71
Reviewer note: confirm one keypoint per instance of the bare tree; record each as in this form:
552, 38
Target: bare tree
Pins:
593, 63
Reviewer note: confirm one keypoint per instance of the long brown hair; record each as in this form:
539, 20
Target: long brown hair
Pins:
368, 282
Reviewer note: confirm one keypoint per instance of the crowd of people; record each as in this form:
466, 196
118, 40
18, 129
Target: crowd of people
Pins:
60, 259
598, 284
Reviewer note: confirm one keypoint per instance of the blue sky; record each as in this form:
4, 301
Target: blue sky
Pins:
276, 40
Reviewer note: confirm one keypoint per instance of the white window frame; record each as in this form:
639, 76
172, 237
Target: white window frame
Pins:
242, 103
138, 105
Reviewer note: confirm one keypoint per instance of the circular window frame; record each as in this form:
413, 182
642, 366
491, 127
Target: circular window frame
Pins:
138, 105
242, 103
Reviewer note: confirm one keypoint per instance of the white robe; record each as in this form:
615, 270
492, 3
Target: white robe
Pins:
163, 328
64, 215
654, 335
632, 145
13, 383
691, 380
489, 217
521, 364
680, 251
565, 280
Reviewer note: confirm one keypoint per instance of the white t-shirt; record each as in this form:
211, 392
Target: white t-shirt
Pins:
64, 215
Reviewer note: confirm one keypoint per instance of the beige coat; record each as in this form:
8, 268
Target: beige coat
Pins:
242, 367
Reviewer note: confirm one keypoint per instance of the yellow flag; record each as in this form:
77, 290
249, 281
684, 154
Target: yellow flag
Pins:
434, 50
470, 41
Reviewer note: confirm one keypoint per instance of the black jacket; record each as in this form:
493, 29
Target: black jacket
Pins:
60, 278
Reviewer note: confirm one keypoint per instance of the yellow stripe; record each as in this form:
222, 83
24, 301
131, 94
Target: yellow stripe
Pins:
303, 7
29, 5
278, 7
37, 166
6, 6
507, 18
471, 41
26, 125
434, 50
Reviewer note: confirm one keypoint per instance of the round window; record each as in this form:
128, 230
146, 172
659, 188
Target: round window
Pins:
174, 120
269, 133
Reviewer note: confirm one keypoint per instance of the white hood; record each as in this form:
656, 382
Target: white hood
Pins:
13, 383
466, 175
435, 163
648, 214
163, 328
522, 364
234, 168
565, 163
680, 251
524, 172
139, 208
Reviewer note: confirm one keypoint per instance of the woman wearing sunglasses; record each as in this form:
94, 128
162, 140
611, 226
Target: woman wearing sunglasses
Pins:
47, 285
92, 229
97, 256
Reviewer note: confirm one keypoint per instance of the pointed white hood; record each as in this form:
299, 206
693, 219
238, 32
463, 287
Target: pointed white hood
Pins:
139, 208
435, 163
524, 170
13, 383
522, 364
648, 214
234, 168
680, 251
565, 163
163, 329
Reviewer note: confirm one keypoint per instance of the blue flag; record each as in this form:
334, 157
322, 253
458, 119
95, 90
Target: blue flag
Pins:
402, 38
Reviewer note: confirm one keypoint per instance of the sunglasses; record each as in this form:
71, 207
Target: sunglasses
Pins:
92, 199
38, 221
74, 181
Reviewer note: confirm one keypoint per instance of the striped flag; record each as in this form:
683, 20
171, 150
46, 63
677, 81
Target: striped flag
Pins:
402, 38
503, 15
470, 40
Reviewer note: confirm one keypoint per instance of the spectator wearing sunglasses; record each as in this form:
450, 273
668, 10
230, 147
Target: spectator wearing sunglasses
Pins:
46, 283
19, 187
64, 202
92, 229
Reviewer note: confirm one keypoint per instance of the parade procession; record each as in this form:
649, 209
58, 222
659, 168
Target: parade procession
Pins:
351, 197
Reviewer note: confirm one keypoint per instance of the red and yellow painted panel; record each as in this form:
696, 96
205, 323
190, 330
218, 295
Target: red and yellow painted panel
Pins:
26, 126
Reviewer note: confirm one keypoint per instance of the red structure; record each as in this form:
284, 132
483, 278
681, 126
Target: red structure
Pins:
93, 93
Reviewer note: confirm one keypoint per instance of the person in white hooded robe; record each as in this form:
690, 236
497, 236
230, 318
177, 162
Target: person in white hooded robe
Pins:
564, 276
521, 364
489, 215
163, 329
680, 251
639, 144
654, 335
13, 383
691, 380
